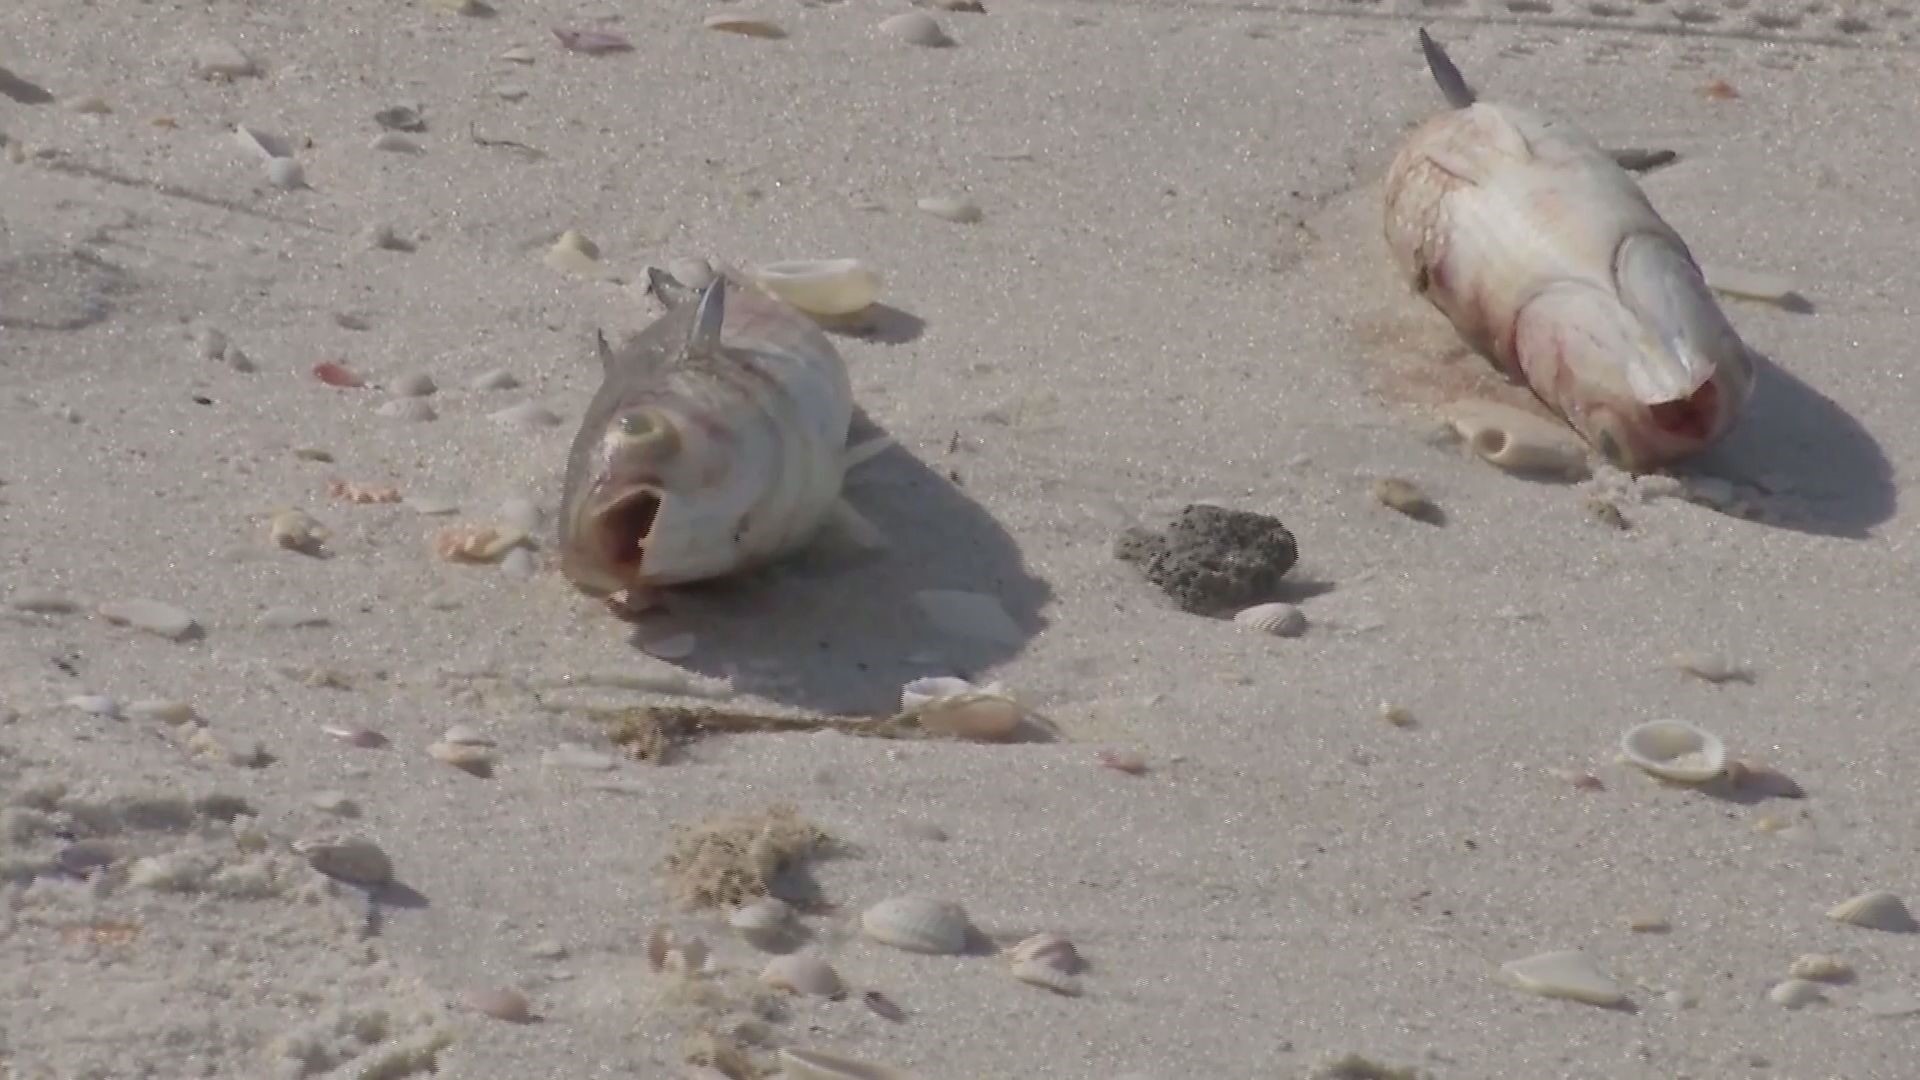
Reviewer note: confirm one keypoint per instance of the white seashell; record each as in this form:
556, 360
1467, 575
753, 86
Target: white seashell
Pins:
803, 973
1820, 968
286, 174
411, 410
951, 208
798, 1064
1568, 974
467, 757
916, 28
969, 615
352, 859
692, 272
1517, 440
917, 924
1877, 910
265, 144
1645, 366
921, 691
765, 923
745, 25
40, 602
432, 505
521, 514
154, 617
95, 704
826, 287
463, 735
1677, 751
525, 414
1280, 620
1794, 993
1048, 961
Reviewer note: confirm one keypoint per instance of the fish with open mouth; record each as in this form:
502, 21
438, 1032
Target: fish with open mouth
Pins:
716, 443
1549, 260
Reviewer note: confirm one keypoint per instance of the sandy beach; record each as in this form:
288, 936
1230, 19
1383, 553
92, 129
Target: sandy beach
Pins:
1177, 292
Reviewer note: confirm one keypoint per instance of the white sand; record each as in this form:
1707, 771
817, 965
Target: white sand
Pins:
1179, 292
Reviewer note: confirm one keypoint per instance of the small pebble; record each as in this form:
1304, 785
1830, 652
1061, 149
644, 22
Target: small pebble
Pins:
497, 379
519, 54
1648, 924
417, 384
95, 704
468, 758
408, 409
520, 513
500, 1003
548, 950
286, 174
210, 343
381, 237
464, 735
519, 564
164, 710
694, 273
525, 414
1398, 715
1819, 967
958, 210
394, 143
362, 738
352, 859
222, 60
510, 92
1405, 497
1795, 993
577, 758
152, 616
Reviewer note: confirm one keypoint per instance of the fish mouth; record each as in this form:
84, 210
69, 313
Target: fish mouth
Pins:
613, 543
1692, 417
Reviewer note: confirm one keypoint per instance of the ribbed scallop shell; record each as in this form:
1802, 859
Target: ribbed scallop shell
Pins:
1280, 620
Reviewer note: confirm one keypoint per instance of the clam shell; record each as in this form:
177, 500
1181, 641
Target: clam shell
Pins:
798, 1064
1877, 910
352, 859
982, 717
1673, 750
803, 973
1280, 620
1518, 441
916, 28
917, 924
764, 923
1568, 974
1794, 993
1048, 961
820, 286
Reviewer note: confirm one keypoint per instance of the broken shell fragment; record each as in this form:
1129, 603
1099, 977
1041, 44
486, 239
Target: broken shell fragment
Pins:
1877, 910
981, 717
1673, 750
1518, 441
1712, 667
1048, 961
917, 924
954, 208
745, 25
825, 287
798, 1064
352, 859
1567, 974
472, 758
802, 973
1794, 993
764, 922
1406, 497
1820, 967
476, 543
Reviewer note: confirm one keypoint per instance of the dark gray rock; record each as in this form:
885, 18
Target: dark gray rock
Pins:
1211, 560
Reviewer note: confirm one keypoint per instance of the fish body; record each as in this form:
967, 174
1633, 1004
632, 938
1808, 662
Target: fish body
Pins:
715, 444
1549, 260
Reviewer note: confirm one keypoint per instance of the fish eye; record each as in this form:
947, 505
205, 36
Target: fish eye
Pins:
635, 424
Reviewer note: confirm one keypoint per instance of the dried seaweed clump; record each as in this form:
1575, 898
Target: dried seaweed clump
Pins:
726, 861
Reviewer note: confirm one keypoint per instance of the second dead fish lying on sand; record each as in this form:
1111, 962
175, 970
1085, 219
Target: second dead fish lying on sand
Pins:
1549, 260
716, 444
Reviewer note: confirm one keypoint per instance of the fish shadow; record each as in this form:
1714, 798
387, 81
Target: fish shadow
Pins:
835, 628
880, 323
1809, 449
22, 91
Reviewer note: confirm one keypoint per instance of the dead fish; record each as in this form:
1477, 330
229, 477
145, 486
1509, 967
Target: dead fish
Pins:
716, 443
1549, 260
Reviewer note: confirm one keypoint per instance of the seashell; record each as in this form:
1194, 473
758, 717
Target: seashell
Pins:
1794, 993
691, 272
745, 25
432, 505
164, 710
462, 735
1130, 762
1712, 667
651, 498
95, 704
475, 543
1398, 715
917, 924
1877, 910
410, 410
968, 615
1407, 498
163, 620
1048, 961
573, 253
947, 706
803, 973
825, 287
951, 208
467, 757
1677, 751
916, 28
1607, 318
1280, 620
364, 738
1820, 967
362, 494
1517, 440
352, 859
765, 923
286, 174
1568, 974
798, 1064
496, 379
501, 1003
415, 384
525, 414
265, 144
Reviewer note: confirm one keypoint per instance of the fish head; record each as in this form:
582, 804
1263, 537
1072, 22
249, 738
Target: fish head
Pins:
606, 531
1649, 371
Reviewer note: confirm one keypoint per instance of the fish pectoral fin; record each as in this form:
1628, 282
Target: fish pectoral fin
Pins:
1684, 333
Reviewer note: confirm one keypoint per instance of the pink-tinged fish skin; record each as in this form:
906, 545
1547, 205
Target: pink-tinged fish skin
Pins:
708, 450
1549, 260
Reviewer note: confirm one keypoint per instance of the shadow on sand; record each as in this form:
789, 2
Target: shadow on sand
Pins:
836, 630
1797, 443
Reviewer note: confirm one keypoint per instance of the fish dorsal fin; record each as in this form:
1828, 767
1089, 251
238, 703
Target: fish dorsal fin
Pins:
704, 338
1453, 85
605, 350
669, 290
